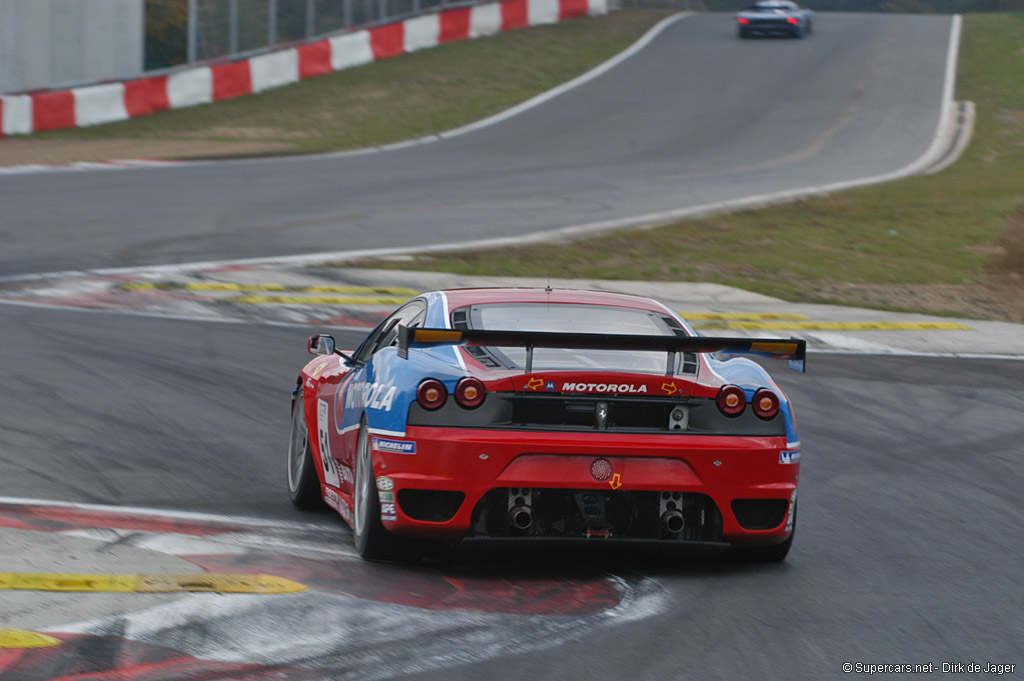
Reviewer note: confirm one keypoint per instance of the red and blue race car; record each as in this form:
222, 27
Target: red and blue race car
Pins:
520, 417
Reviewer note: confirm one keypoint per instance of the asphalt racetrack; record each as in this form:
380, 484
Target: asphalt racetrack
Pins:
908, 541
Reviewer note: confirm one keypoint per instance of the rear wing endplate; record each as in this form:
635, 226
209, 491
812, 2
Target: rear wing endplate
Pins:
792, 349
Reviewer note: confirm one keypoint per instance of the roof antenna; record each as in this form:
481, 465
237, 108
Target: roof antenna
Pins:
548, 287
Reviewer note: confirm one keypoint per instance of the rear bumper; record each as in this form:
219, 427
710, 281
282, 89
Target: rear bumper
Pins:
771, 28
577, 545
474, 471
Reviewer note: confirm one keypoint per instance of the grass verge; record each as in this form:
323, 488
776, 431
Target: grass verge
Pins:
950, 243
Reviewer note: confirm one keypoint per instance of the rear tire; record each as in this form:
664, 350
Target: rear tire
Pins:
303, 483
372, 541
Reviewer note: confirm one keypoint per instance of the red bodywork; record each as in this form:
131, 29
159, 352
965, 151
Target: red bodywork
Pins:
475, 461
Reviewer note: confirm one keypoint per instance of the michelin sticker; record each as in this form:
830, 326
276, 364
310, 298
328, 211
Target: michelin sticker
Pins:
322, 421
787, 457
383, 444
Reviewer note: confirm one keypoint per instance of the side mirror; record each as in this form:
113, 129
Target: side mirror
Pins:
321, 344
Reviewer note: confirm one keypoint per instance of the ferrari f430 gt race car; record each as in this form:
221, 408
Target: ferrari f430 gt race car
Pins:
534, 417
774, 17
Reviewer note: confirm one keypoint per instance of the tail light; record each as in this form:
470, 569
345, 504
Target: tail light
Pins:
793, 20
731, 400
470, 392
743, 20
765, 403
431, 394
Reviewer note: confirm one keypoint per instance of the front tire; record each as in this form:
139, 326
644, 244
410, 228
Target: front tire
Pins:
303, 483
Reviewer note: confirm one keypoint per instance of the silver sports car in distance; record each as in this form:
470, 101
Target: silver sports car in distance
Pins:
774, 17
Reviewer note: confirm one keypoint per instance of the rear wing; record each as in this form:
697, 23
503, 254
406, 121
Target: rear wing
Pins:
793, 349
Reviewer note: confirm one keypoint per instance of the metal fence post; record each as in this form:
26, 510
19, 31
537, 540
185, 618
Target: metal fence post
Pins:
271, 22
193, 27
382, 8
233, 27
310, 18
346, 9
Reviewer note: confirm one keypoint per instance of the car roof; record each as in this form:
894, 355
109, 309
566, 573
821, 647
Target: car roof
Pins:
482, 296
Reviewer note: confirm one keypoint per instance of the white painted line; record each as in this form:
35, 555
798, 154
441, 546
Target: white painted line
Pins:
168, 513
332, 545
967, 114
909, 353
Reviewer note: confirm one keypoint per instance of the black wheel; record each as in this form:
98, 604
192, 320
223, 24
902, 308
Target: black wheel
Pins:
303, 483
372, 541
776, 553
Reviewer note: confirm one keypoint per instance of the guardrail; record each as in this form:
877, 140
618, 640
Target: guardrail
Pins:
226, 28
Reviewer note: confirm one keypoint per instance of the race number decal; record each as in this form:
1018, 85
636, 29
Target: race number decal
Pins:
323, 412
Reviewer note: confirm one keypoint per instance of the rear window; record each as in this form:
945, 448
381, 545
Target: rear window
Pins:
569, 318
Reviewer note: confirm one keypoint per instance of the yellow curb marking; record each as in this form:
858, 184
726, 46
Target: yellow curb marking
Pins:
151, 583
221, 286
310, 300
837, 326
740, 316
16, 638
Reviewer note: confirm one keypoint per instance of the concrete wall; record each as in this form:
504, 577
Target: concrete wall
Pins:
47, 43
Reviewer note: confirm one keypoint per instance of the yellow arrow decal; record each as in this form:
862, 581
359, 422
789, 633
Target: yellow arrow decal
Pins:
616, 481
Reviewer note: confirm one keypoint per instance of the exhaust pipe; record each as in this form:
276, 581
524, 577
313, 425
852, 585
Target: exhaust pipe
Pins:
521, 517
672, 522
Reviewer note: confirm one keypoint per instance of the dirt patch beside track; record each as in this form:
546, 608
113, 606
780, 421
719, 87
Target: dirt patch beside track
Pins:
999, 298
